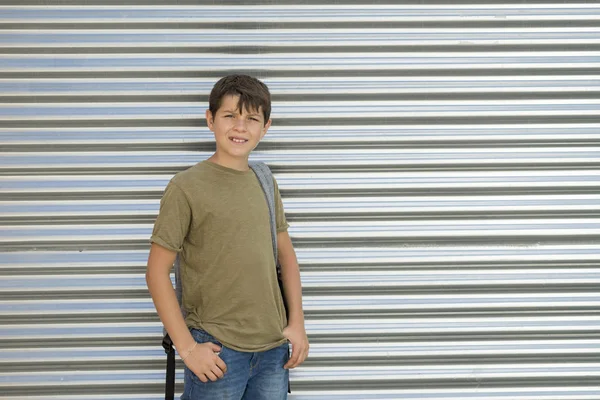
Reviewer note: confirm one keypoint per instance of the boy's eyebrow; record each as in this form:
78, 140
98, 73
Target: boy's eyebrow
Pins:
253, 114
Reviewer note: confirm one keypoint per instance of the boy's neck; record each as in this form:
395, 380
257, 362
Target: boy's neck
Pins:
229, 162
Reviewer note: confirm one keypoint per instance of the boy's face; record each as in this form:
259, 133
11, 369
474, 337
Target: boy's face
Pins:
236, 134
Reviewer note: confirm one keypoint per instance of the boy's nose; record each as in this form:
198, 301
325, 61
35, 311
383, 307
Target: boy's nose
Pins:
240, 124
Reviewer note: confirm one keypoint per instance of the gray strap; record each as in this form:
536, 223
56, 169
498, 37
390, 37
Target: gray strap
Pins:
265, 177
178, 287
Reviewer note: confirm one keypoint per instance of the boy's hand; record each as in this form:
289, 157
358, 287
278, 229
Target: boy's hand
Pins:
206, 363
296, 334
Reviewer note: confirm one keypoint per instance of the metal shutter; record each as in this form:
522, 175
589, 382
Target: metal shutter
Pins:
438, 162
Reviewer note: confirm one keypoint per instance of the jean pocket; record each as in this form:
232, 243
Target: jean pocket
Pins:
200, 336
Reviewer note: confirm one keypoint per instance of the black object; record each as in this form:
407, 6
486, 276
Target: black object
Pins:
170, 379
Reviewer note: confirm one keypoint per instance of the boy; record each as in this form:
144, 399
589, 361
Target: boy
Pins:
235, 338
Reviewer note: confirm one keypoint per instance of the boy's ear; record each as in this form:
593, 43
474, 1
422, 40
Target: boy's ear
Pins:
209, 119
266, 128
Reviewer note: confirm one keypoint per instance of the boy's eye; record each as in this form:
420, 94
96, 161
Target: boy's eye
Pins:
254, 119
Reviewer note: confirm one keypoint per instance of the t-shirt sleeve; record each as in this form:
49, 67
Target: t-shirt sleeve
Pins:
282, 224
173, 222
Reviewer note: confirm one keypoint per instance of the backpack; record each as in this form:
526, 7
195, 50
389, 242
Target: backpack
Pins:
265, 177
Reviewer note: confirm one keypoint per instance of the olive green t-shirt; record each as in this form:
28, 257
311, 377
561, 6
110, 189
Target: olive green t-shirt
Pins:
217, 218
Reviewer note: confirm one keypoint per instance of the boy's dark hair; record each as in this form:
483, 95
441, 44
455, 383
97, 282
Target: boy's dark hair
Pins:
253, 94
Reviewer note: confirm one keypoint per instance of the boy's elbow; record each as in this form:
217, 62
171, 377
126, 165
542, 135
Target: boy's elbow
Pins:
149, 275
155, 269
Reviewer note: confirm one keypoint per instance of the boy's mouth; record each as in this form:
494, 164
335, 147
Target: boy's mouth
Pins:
238, 140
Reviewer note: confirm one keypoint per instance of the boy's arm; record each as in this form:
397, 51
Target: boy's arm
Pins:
161, 289
295, 332
201, 359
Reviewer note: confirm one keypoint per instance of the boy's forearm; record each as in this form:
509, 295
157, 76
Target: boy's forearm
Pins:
165, 301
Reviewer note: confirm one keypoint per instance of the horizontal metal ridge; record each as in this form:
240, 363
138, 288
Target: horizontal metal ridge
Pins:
311, 159
540, 228
335, 329
454, 303
446, 278
332, 232
306, 207
422, 62
336, 376
467, 326
318, 38
299, 110
327, 352
294, 86
103, 184
570, 392
445, 258
318, 135
457, 374
335, 306
324, 13
332, 206
555, 392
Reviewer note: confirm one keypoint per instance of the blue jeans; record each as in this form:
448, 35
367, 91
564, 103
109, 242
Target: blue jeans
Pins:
249, 376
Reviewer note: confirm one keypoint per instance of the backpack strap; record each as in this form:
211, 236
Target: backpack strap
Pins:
265, 177
167, 343
170, 375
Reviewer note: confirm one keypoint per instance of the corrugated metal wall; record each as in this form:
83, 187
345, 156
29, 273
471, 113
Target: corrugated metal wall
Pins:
439, 164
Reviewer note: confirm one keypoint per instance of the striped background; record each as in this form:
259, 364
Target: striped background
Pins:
439, 164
